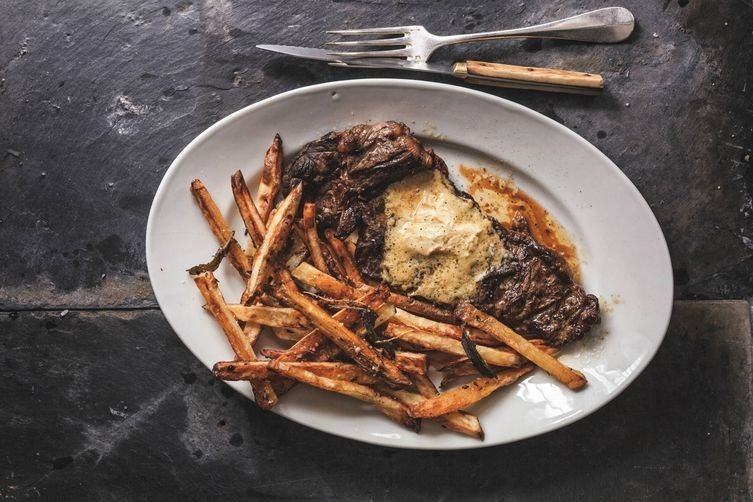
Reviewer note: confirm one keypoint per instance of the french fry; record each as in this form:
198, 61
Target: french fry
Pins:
330, 286
250, 215
451, 330
387, 405
411, 362
219, 227
423, 309
242, 346
274, 241
572, 378
271, 178
458, 421
351, 271
289, 334
333, 263
255, 370
355, 347
276, 317
314, 278
351, 241
493, 356
252, 331
315, 340
467, 395
312, 237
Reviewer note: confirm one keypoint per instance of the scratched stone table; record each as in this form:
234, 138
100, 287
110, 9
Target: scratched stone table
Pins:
99, 400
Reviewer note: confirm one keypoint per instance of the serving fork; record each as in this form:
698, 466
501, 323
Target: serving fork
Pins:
410, 47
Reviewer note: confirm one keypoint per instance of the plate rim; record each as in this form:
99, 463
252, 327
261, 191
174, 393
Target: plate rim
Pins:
665, 257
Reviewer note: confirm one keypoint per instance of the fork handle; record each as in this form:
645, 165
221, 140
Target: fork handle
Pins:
527, 77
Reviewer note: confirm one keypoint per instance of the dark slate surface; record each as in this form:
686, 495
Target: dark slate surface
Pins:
97, 98
111, 406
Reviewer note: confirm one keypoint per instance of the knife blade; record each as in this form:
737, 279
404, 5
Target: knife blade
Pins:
325, 55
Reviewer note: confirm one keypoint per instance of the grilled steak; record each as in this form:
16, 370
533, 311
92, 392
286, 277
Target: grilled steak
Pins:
347, 174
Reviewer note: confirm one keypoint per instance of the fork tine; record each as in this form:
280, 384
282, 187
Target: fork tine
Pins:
381, 41
394, 30
370, 54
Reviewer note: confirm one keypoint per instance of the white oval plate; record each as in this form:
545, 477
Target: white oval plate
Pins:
624, 256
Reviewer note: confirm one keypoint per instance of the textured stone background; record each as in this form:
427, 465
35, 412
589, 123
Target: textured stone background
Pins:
97, 98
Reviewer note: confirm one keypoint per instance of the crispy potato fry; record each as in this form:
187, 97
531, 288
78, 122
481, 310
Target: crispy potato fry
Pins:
493, 356
242, 346
276, 317
312, 237
411, 362
351, 241
423, 309
355, 347
458, 421
314, 278
451, 330
333, 263
345, 258
473, 316
274, 241
289, 334
251, 219
252, 331
271, 178
254, 370
466, 395
387, 405
219, 227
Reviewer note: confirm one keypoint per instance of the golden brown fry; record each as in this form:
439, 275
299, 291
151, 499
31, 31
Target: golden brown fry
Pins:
255, 370
250, 215
423, 309
274, 241
355, 347
333, 263
271, 178
314, 278
312, 236
289, 334
276, 317
345, 258
466, 395
243, 347
252, 331
330, 286
219, 227
493, 356
451, 330
387, 405
351, 241
473, 316
458, 421
411, 362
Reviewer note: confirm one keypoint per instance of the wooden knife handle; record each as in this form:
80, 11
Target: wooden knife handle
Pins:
527, 77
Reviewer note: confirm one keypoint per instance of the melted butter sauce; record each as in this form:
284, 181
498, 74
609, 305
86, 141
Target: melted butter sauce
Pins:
503, 200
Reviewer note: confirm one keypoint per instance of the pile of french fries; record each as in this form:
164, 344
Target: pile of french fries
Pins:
346, 335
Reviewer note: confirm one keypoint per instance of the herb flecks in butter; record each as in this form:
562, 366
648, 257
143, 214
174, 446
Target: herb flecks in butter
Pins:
437, 245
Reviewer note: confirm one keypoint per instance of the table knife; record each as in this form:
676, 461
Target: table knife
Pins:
474, 72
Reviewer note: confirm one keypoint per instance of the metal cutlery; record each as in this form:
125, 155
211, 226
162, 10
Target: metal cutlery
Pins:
475, 72
607, 25
410, 47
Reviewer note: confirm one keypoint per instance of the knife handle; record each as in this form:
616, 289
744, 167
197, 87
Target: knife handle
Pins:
527, 77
